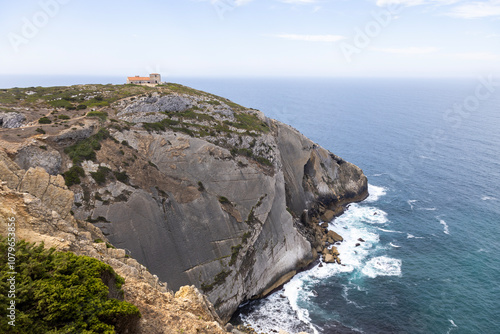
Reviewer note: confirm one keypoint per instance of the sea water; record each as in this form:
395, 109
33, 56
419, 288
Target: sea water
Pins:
429, 259
429, 262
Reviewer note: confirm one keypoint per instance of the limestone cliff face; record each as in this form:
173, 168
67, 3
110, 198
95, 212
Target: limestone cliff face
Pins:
200, 190
39, 206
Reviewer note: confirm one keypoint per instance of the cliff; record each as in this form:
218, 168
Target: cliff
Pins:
199, 190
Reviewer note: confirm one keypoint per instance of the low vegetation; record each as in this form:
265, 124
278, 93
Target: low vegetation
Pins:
60, 292
218, 279
72, 175
85, 149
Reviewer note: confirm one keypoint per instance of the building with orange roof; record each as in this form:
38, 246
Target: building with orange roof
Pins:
153, 79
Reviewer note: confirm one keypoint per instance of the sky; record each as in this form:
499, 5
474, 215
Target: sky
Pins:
251, 38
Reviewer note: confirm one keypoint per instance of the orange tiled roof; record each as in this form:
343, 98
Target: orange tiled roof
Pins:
139, 78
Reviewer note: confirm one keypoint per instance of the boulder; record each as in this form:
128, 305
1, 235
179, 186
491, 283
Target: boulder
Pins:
35, 156
329, 258
335, 236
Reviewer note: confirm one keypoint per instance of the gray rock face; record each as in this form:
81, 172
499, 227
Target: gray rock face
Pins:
169, 103
34, 156
11, 120
223, 225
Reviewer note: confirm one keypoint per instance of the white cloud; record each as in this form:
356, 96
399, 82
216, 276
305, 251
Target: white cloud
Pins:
229, 3
476, 10
298, 2
408, 51
311, 38
408, 3
478, 56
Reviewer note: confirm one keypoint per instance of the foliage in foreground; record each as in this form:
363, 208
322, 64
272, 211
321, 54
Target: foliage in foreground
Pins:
60, 292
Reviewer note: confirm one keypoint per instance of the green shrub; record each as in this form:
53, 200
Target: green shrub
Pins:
60, 292
81, 107
201, 187
218, 279
44, 120
63, 117
85, 150
245, 237
40, 130
101, 175
223, 200
72, 176
101, 114
121, 176
60, 104
235, 250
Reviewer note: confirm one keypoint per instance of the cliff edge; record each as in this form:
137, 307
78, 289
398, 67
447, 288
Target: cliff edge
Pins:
196, 188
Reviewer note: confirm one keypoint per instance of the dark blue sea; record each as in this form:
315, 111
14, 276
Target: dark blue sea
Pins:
430, 260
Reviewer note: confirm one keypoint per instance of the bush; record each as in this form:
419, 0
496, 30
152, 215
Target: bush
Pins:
63, 117
72, 176
223, 200
235, 250
101, 114
40, 130
85, 150
44, 120
60, 292
121, 176
101, 175
81, 107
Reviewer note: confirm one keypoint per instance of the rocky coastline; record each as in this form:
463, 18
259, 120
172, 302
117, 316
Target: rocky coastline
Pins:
197, 189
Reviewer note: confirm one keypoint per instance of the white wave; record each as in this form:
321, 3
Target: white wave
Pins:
453, 326
388, 231
382, 266
428, 209
489, 198
426, 157
411, 236
445, 226
358, 213
394, 245
410, 202
280, 311
375, 193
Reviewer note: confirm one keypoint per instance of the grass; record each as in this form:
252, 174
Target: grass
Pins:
249, 122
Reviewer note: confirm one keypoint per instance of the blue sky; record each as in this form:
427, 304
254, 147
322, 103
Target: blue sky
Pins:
258, 38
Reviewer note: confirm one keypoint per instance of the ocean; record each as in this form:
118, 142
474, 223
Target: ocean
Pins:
428, 253
430, 148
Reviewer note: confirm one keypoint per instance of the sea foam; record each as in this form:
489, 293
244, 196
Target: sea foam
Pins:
375, 193
382, 266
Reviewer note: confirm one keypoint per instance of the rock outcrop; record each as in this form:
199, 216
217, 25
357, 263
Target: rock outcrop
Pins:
43, 216
11, 120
